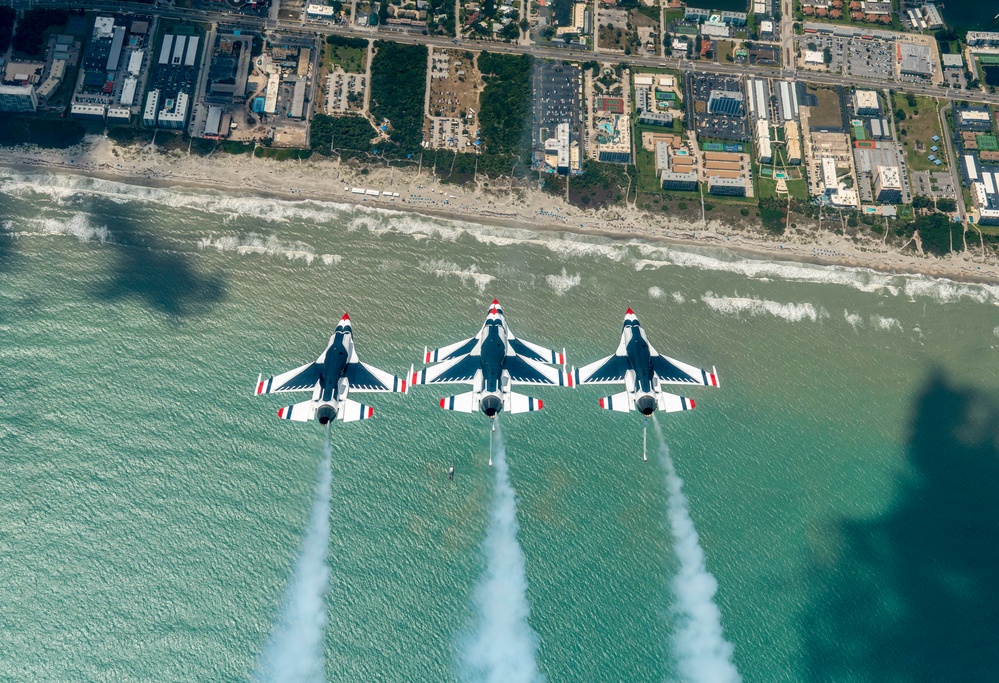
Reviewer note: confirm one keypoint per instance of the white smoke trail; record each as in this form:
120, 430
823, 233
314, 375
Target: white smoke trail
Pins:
702, 651
294, 652
503, 648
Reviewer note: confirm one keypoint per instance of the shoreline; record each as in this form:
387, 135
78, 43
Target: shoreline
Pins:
250, 176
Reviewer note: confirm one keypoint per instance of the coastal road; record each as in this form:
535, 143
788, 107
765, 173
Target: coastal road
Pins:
311, 30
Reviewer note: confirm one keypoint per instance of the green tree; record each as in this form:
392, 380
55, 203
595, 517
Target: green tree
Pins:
946, 205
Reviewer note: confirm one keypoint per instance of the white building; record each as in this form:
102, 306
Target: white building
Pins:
119, 114
88, 112
319, 11
865, 103
18, 98
174, 113
270, 98
152, 107
829, 175
888, 185
814, 57
764, 154
128, 92
135, 62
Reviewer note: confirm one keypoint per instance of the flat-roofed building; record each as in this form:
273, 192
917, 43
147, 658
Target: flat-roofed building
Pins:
315, 11
814, 57
128, 92
21, 98
727, 102
152, 108
165, 50
88, 112
914, 59
116, 45
191, 55
653, 118
297, 110
888, 185
174, 113
931, 16
866, 103
271, 96
135, 61
829, 181
731, 187
952, 61
792, 143
119, 114
983, 38
51, 84
214, 122
764, 155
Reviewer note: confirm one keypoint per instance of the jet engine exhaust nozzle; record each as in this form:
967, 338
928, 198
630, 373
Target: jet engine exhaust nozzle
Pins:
326, 414
491, 405
646, 405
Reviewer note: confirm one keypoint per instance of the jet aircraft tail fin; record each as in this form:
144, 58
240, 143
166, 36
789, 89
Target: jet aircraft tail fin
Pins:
462, 403
520, 403
352, 411
620, 402
299, 412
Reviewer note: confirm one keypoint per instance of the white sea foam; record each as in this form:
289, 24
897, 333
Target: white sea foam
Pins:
294, 652
270, 246
503, 647
564, 282
443, 268
330, 259
735, 305
703, 653
995, 330
78, 226
884, 323
678, 297
855, 319
66, 189
656, 293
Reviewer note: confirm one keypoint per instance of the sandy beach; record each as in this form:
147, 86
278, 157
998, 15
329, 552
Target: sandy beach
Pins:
496, 204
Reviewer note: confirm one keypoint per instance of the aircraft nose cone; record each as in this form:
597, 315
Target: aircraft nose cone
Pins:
325, 414
646, 405
491, 405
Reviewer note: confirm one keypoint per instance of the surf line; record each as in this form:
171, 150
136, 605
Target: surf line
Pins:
294, 651
702, 652
503, 647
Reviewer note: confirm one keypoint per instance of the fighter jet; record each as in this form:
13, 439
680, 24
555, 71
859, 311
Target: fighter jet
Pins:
643, 371
335, 373
492, 362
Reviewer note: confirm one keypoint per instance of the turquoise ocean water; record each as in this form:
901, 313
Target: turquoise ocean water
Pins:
152, 510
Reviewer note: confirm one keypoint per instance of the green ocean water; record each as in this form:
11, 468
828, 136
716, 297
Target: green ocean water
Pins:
842, 479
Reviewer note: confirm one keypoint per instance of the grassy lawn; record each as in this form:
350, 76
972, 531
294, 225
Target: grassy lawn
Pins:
766, 188
921, 123
724, 52
797, 188
828, 113
351, 59
645, 162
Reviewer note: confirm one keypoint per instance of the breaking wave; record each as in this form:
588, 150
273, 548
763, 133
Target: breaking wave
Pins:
270, 246
885, 323
443, 268
735, 305
65, 189
854, 319
564, 282
78, 226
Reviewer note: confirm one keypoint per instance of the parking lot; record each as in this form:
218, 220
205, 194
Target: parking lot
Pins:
870, 59
556, 99
717, 126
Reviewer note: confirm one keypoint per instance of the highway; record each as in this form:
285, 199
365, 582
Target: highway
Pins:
313, 29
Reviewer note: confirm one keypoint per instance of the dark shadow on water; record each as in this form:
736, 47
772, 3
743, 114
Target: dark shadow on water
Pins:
163, 279
913, 595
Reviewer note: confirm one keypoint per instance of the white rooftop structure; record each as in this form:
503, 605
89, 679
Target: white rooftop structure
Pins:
766, 26
166, 49
135, 62
319, 11
763, 149
270, 101
970, 167
865, 102
179, 43
128, 92
175, 115
829, 175
103, 27
152, 107
192, 51
973, 115
814, 57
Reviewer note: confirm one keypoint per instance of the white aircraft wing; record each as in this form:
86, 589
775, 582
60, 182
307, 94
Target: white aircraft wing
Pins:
450, 351
672, 371
364, 377
609, 370
455, 371
300, 379
525, 371
535, 352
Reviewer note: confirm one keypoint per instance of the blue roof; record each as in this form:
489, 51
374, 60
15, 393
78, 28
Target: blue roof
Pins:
936, 138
